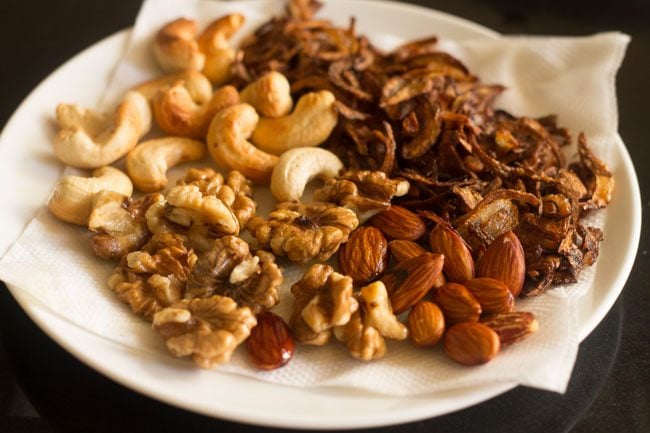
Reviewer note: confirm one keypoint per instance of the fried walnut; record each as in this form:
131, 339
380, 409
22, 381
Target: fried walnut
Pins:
209, 330
304, 231
374, 320
322, 300
119, 223
187, 211
365, 192
236, 190
229, 269
154, 277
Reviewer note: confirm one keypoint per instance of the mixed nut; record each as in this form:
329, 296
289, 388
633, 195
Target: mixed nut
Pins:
440, 210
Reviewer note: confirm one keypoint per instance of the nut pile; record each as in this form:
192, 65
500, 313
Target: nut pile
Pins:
438, 210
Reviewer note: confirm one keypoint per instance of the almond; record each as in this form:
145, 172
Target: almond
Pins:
270, 344
397, 222
471, 343
425, 324
459, 264
493, 295
512, 327
457, 303
402, 250
504, 261
365, 256
409, 281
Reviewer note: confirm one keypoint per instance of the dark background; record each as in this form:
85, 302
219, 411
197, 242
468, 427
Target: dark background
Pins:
43, 389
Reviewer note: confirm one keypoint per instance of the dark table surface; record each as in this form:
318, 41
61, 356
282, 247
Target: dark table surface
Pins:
44, 389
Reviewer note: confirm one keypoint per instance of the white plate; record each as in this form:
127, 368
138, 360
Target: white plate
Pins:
25, 148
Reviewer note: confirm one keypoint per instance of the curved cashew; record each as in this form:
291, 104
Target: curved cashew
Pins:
72, 198
297, 167
229, 146
213, 42
175, 46
270, 95
197, 85
89, 139
148, 163
177, 114
310, 124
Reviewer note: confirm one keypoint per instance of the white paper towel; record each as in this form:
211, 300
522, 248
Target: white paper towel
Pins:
573, 77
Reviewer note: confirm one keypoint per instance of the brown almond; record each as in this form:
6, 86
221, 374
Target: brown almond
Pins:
364, 257
459, 264
512, 327
426, 324
504, 261
270, 344
492, 294
471, 343
457, 303
402, 250
409, 281
397, 222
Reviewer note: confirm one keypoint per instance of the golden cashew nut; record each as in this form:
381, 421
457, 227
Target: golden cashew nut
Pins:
229, 146
90, 139
148, 163
270, 95
197, 85
213, 43
175, 46
297, 167
177, 114
310, 124
72, 198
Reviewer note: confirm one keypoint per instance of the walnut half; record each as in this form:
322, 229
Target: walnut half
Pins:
209, 330
322, 299
229, 269
364, 333
154, 277
304, 231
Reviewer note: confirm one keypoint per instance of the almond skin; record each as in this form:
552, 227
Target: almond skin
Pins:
402, 250
512, 327
493, 295
364, 257
504, 261
426, 324
471, 343
270, 344
459, 264
457, 304
397, 222
409, 281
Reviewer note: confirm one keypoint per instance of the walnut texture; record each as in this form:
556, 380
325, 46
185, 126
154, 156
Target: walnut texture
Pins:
229, 269
119, 223
322, 299
304, 231
154, 277
207, 329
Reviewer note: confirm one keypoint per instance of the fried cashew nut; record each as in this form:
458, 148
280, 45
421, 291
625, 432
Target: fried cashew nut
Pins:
197, 85
147, 163
89, 139
297, 167
270, 95
310, 123
72, 198
229, 146
177, 113
213, 42
175, 46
